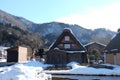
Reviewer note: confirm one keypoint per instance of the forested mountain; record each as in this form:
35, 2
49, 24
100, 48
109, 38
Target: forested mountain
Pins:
14, 36
50, 31
7, 18
20, 31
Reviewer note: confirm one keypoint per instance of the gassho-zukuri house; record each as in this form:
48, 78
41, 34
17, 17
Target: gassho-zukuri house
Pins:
66, 49
112, 50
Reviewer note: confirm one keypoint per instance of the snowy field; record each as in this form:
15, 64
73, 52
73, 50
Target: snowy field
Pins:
31, 70
84, 70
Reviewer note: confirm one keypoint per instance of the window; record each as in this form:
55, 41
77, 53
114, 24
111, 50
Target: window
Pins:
67, 38
66, 46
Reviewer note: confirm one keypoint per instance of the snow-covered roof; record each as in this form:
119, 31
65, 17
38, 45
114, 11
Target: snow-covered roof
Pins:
3, 48
68, 29
74, 35
112, 50
52, 44
113, 36
83, 51
96, 43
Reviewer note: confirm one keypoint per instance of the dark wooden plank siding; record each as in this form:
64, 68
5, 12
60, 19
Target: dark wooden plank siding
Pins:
74, 57
12, 56
56, 57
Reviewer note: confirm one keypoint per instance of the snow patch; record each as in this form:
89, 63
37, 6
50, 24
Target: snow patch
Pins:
84, 70
31, 70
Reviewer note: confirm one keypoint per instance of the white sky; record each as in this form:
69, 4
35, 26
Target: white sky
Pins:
107, 17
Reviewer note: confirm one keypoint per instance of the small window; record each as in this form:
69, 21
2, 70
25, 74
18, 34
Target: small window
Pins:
67, 38
66, 46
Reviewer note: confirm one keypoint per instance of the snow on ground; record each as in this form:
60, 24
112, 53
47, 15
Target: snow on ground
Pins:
84, 70
3, 60
31, 70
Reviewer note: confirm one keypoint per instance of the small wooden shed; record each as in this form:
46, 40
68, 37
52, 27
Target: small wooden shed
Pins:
17, 54
112, 50
66, 49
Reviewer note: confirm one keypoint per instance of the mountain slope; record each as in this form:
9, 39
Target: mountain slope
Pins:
13, 32
50, 31
53, 29
7, 18
14, 36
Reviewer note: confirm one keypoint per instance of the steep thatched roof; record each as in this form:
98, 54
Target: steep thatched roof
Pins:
74, 39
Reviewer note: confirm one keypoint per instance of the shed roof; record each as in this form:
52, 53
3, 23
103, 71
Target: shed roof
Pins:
15, 48
97, 43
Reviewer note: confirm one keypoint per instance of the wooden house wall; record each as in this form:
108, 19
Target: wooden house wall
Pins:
110, 58
61, 58
113, 59
118, 58
56, 57
22, 54
29, 53
12, 56
78, 57
75, 57
97, 47
84, 58
73, 45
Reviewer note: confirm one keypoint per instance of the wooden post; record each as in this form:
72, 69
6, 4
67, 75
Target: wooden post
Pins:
104, 57
115, 59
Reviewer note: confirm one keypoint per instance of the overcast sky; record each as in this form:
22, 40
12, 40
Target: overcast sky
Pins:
89, 14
